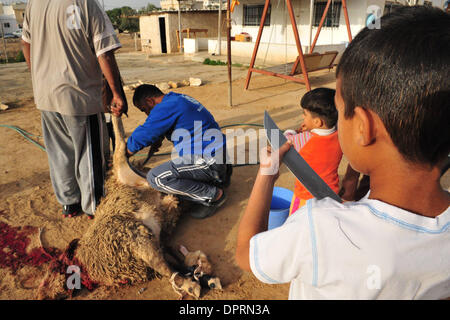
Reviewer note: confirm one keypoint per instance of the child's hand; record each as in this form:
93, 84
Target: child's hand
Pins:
270, 160
289, 132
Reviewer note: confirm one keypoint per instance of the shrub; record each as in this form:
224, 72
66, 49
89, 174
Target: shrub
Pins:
20, 57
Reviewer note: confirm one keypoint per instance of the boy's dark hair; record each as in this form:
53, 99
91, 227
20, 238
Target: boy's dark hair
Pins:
401, 72
320, 102
145, 91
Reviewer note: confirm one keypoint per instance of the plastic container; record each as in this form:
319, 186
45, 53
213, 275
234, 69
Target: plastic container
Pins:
279, 207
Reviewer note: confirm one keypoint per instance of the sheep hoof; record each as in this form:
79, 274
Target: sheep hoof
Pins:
191, 287
185, 286
214, 283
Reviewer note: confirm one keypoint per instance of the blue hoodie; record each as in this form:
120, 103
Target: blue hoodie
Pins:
184, 121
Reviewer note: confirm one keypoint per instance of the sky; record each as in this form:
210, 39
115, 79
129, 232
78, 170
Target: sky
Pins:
135, 4
111, 4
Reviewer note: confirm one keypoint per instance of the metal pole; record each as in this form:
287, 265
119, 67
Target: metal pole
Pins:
4, 42
300, 58
219, 35
320, 26
258, 39
179, 26
347, 21
311, 14
230, 103
135, 42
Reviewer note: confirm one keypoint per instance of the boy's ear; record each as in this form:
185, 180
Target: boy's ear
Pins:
318, 123
364, 126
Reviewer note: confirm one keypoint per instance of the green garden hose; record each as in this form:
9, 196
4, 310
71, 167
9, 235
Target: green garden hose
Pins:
25, 134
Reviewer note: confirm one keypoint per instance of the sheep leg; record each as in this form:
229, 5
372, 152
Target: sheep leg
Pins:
151, 254
122, 170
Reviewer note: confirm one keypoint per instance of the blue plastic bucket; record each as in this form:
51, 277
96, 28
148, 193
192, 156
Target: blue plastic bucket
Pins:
279, 207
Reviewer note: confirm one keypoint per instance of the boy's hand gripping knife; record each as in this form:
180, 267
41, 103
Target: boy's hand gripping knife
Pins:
297, 165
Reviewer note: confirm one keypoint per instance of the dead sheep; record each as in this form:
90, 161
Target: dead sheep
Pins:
124, 240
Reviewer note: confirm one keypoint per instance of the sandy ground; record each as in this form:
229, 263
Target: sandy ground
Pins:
27, 199
13, 47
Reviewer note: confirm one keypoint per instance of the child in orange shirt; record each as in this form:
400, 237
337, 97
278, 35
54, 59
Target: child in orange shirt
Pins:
317, 142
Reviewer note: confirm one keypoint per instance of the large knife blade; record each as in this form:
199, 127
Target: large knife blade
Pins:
296, 164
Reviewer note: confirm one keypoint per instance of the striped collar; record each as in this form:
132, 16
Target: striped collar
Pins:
407, 219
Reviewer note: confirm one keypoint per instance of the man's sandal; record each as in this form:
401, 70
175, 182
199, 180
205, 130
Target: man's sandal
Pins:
71, 210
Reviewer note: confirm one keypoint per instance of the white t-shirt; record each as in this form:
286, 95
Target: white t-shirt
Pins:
356, 250
66, 38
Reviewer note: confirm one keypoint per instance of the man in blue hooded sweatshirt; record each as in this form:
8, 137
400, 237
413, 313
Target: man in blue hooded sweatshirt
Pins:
200, 172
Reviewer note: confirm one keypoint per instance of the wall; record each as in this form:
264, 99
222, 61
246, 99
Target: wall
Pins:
174, 4
8, 15
8, 10
269, 55
150, 37
149, 26
195, 45
196, 20
280, 32
12, 24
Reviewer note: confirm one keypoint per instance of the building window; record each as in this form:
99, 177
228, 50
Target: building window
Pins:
333, 14
253, 14
7, 25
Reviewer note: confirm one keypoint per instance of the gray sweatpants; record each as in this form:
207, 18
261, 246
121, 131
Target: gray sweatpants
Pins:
76, 157
194, 178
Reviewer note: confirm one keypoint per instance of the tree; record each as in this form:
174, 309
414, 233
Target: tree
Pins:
119, 20
128, 11
149, 8
129, 24
114, 16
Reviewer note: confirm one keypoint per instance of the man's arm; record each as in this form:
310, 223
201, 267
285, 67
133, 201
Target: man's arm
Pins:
110, 70
26, 49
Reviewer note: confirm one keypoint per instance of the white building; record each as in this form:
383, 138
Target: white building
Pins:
167, 5
11, 17
191, 4
278, 43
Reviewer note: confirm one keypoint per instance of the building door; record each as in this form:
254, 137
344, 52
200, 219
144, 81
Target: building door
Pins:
162, 33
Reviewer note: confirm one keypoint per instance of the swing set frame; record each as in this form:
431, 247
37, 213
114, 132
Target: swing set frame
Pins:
301, 57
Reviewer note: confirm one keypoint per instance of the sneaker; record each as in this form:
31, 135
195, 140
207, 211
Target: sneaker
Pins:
205, 211
71, 210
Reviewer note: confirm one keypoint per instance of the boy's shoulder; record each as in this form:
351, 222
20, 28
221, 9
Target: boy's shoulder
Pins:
370, 213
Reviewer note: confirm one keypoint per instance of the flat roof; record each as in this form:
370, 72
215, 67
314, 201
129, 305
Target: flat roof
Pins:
182, 11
